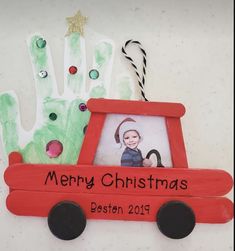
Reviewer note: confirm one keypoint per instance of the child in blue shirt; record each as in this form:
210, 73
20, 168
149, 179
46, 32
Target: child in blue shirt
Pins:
128, 133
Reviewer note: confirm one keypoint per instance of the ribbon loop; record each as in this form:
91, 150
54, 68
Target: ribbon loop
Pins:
141, 81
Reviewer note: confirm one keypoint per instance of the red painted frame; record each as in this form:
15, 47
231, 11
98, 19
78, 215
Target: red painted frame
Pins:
101, 107
31, 194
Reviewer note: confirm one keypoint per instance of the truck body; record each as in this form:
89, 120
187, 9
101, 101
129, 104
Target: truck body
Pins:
122, 193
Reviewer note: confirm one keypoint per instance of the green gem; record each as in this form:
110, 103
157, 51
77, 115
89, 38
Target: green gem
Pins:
53, 116
93, 74
41, 43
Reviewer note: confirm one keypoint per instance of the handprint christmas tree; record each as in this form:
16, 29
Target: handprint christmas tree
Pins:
61, 120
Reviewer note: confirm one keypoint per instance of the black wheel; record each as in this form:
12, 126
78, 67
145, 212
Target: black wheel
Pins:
66, 220
175, 219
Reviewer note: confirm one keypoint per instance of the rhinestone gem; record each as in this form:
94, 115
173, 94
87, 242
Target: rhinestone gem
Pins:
53, 116
93, 74
54, 148
82, 107
41, 43
73, 69
42, 74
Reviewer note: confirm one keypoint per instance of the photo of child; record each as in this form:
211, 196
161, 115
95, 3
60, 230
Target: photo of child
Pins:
128, 133
130, 140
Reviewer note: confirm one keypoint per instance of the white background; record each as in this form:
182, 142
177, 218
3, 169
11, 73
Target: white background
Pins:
189, 45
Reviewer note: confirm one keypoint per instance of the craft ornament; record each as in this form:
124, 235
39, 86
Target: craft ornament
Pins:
175, 198
69, 172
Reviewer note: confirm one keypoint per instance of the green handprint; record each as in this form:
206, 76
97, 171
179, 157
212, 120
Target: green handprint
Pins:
61, 120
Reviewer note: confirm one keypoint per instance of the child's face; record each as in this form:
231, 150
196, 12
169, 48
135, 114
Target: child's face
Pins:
131, 139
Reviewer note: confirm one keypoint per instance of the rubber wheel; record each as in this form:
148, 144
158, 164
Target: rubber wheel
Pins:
66, 220
175, 219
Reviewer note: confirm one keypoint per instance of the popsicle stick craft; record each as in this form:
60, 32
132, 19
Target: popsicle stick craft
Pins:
131, 165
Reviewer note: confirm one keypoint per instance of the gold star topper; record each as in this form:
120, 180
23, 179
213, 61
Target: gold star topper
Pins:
76, 23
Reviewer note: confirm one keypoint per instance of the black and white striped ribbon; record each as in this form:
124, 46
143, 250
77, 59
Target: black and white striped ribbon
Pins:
141, 81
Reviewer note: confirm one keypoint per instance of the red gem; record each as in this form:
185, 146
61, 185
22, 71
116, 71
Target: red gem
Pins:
54, 148
82, 107
73, 69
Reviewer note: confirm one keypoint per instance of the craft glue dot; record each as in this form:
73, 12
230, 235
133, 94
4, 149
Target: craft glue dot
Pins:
54, 148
